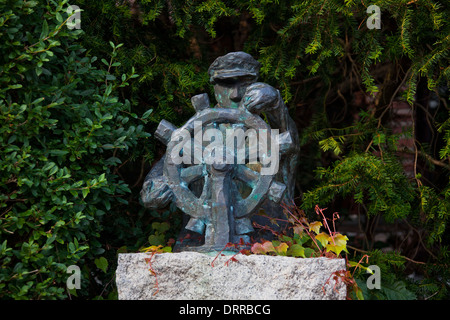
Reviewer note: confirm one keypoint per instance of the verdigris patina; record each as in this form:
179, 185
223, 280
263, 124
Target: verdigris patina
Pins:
218, 168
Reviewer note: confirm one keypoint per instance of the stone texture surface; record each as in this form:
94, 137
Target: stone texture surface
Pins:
190, 276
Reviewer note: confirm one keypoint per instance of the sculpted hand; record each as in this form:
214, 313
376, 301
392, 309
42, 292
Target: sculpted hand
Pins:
260, 97
156, 193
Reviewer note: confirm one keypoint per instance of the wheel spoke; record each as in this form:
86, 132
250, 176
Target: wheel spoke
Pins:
247, 175
206, 194
192, 173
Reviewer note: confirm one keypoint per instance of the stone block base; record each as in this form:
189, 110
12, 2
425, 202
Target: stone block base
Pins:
190, 276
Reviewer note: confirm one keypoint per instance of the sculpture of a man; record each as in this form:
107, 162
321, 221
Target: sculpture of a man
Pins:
234, 77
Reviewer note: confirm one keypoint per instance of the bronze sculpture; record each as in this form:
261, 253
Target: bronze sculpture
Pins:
201, 179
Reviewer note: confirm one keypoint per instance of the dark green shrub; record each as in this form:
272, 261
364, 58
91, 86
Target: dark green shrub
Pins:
63, 131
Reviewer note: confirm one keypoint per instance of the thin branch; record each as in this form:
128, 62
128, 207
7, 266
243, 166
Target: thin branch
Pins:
394, 95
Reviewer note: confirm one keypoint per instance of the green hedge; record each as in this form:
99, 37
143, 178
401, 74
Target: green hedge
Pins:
63, 132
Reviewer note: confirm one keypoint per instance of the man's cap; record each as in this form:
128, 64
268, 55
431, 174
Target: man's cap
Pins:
234, 64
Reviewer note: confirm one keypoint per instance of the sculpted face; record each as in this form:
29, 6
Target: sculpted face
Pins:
230, 91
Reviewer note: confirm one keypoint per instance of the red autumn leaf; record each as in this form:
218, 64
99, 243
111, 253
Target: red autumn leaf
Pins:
264, 248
